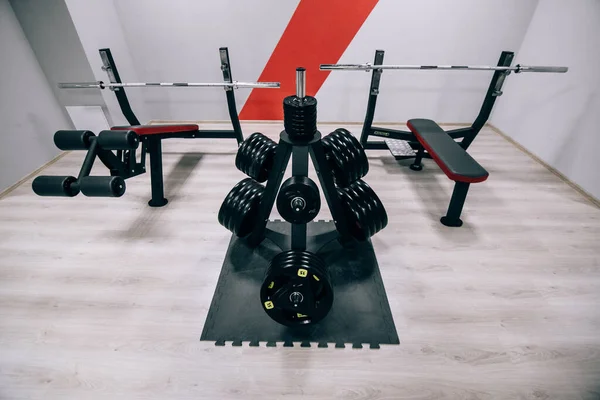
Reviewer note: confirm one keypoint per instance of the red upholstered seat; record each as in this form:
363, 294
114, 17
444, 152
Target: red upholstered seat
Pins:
157, 129
456, 163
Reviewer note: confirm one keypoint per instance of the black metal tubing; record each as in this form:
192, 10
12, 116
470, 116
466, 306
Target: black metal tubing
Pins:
229, 92
373, 92
416, 165
391, 133
109, 63
114, 164
299, 168
90, 157
459, 132
156, 172
408, 135
467, 134
459, 194
376, 145
282, 157
494, 90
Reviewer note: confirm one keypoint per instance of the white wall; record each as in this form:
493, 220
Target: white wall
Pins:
29, 112
184, 46
156, 40
99, 26
179, 40
557, 117
50, 31
426, 32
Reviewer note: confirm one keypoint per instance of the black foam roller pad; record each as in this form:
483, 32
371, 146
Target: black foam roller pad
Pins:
73, 140
45, 185
118, 140
102, 186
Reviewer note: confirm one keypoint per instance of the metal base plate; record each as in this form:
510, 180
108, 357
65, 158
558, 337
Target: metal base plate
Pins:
360, 314
400, 149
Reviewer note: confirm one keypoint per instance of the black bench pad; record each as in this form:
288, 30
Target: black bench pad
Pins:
456, 163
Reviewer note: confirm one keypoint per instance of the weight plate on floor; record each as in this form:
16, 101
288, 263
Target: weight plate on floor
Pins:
297, 288
240, 208
298, 201
363, 210
346, 157
255, 156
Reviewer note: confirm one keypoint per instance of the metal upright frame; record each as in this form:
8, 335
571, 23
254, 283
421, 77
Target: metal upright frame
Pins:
152, 144
236, 133
466, 134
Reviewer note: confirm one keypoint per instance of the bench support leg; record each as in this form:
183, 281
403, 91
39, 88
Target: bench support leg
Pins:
417, 166
156, 173
452, 217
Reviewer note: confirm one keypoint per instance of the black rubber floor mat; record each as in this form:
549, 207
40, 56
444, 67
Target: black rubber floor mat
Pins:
360, 314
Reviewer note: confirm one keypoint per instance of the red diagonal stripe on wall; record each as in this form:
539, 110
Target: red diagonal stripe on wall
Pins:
318, 33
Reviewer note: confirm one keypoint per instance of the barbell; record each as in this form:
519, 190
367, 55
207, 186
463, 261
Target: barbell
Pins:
102, 85
517, 68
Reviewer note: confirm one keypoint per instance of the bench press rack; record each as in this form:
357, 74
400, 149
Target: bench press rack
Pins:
125, 139
427, 139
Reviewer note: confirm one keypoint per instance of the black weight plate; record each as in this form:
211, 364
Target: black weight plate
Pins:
240, 208
300, 117
297, 288
255, 156
298, 201
346, 157
364, 211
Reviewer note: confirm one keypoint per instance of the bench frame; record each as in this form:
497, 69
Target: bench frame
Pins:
457, 201
462, 183
466, 134
152, 144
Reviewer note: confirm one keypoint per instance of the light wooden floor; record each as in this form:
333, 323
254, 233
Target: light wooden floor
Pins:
106, 298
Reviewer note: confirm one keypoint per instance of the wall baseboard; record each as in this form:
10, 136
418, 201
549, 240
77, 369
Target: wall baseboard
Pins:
9, 189
559, 174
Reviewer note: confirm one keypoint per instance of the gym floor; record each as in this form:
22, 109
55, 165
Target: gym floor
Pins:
106, 298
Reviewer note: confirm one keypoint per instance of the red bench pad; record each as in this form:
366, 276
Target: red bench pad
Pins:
156, 129
456, 163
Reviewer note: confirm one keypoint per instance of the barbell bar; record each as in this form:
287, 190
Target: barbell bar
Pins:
517, 68
102, 85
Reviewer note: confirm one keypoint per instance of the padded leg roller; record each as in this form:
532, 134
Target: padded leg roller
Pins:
102, 186
45, 185
73, 140
118, 140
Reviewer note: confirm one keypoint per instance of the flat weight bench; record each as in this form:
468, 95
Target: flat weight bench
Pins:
456, 163
151, 137
122, 165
